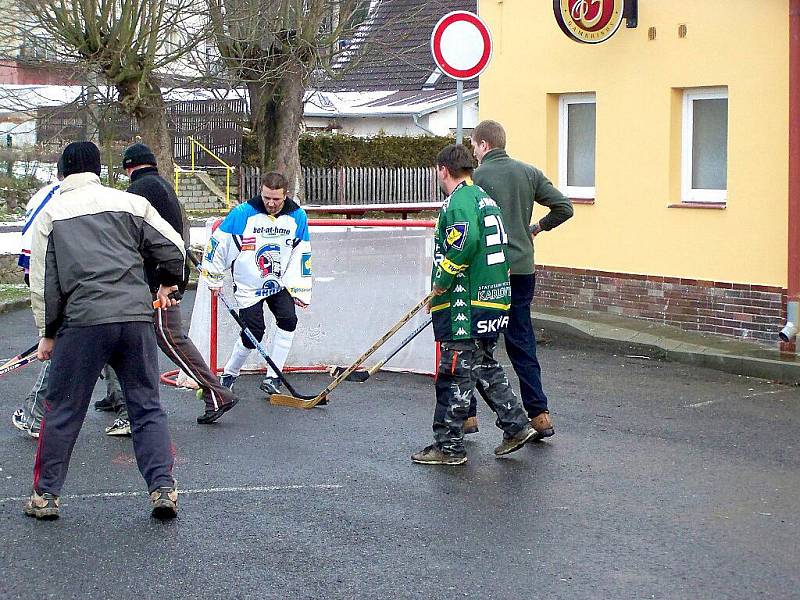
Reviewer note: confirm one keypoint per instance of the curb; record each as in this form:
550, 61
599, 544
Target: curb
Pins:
627, 340
14, 305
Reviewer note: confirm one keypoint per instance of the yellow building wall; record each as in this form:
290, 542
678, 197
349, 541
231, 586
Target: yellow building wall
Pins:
741, 44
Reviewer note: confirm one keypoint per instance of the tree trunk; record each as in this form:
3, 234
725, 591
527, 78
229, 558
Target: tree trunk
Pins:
151, 117
276, 114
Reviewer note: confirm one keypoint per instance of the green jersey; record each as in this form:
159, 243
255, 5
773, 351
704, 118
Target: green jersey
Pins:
470, 263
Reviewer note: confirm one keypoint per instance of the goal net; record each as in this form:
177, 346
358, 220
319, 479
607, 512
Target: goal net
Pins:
366, 277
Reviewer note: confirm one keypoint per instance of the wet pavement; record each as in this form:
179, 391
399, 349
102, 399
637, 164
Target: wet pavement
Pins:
663, 481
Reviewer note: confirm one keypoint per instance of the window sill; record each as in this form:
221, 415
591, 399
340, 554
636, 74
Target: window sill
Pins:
582, 200
706, 205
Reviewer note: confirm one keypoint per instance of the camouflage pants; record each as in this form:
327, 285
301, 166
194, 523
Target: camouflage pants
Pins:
461, 366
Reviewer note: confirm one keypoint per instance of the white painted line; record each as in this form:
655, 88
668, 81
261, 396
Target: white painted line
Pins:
781, 391
219, 490
699, 404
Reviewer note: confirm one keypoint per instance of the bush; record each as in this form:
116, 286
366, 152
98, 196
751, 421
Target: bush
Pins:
337, 150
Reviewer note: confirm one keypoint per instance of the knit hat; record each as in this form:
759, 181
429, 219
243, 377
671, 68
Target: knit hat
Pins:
138, 154
81, 157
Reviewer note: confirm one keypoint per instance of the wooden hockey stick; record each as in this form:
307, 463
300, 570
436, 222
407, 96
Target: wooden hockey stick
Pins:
300, 402
20, 360
362, 376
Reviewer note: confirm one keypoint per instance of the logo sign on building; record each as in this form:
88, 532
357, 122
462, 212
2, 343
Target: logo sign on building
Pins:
589, 21
461, 45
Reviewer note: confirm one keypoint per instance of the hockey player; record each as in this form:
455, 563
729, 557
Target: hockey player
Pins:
265, 243
469, 310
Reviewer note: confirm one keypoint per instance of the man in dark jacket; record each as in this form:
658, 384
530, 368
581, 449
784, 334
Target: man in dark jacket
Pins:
140, 164
93, 306
515, 186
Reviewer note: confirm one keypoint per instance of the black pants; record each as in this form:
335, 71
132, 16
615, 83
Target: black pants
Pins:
78, 357
281, 305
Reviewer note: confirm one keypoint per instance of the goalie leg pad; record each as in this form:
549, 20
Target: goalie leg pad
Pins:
237, 359
279, 346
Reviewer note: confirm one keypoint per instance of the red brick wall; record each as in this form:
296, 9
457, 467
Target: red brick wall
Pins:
753, 312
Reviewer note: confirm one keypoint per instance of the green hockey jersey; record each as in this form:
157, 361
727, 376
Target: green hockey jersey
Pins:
470, 264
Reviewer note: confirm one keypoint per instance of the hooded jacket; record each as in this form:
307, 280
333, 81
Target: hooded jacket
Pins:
88, 253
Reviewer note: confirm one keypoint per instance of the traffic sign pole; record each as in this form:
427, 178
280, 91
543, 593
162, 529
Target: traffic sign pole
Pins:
459, 111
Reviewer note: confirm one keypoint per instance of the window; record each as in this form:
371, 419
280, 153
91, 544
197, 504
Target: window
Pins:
704, 145
577, 132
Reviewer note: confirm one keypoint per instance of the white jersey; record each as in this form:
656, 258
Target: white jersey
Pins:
264, 252
37, 202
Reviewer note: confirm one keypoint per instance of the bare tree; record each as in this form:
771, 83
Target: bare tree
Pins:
273, 47
126, 43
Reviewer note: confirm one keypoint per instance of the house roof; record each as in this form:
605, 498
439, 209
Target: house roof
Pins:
381, 103
396, 48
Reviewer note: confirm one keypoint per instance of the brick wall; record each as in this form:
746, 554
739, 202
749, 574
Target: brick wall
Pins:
751, 312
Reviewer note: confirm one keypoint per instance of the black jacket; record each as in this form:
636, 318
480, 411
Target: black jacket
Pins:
146, 182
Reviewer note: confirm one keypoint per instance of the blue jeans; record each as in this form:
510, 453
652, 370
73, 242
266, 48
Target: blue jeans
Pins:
520, 340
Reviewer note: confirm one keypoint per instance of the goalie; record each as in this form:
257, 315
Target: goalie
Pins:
265, 244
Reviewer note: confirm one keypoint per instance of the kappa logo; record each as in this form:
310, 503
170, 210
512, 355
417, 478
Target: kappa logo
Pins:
461, 317
461, 331
459, 288
459, 303
456, 235
492, 325
265, 260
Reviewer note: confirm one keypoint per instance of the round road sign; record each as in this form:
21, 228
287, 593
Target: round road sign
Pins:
461, 45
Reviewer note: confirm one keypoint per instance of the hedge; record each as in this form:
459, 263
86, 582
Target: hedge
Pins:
336, 150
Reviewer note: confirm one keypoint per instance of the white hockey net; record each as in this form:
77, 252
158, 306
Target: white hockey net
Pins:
365, 279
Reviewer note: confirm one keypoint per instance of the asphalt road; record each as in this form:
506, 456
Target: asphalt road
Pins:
663, 481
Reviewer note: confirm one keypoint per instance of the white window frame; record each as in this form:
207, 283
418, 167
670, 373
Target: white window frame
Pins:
564, 100
688, 193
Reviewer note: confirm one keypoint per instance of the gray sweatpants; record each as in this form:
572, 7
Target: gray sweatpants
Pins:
78, 357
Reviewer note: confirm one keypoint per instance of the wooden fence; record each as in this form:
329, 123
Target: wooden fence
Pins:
355, 185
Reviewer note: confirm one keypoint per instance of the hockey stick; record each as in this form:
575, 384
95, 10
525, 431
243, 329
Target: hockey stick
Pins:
20, 360
250, 335
300, 402
362, 376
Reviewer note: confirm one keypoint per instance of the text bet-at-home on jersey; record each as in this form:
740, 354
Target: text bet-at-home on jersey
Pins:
470, 264
266, 253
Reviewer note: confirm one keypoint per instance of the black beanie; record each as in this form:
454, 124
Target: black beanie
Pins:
81, 157
138, 154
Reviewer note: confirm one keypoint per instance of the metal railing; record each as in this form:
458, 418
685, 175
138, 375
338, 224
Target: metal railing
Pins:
194, 169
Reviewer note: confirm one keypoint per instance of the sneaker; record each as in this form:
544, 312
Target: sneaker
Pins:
543, 425
514, 443
433, 455
119, 427
104, 405
33, 432
43, 506
228, 381
18, 420
211, 415
270, 385
471, 425
165, 502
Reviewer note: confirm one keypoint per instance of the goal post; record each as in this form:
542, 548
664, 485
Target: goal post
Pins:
366, 274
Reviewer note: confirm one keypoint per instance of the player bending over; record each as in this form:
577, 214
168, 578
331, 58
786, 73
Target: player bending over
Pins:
266, 245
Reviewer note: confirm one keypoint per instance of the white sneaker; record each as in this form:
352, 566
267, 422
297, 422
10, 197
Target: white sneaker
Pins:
18, 420
119, 427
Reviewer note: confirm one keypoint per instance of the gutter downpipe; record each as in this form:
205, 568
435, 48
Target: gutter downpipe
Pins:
416, 117
793, 280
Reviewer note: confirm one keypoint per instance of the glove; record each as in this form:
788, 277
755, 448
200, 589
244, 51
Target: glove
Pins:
214, 281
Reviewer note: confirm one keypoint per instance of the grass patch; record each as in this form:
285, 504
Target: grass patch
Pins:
10, 292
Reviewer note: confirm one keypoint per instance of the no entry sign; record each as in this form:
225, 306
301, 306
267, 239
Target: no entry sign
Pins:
461, 45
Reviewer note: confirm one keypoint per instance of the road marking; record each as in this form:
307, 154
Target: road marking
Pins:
699, 404
781, 391
217, 490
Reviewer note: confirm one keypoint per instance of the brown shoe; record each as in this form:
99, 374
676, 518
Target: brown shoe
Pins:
543, 425
471, 425
44, 506
512, 444
165, 502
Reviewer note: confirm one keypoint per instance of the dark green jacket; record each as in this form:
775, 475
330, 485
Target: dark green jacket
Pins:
515, 186
470, 265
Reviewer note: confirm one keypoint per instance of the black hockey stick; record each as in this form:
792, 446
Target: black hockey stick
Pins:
250, 335
362, 376
20, 360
